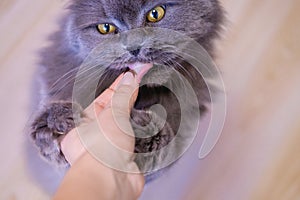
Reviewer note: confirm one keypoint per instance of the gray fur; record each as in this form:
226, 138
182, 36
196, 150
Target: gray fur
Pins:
77, 36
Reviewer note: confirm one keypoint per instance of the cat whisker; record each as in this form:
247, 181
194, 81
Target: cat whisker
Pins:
63, 77
69, 80
183, 68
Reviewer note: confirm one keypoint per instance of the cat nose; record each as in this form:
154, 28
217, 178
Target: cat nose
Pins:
135, 52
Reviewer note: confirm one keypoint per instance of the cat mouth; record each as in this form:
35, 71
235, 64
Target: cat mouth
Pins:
140, 69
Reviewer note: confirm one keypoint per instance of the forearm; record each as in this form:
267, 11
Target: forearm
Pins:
88, 179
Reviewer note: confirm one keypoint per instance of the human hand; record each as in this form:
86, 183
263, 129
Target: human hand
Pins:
107, 116
101, 112
71, 145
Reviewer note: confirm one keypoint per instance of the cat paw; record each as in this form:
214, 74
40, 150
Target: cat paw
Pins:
151, 131
152, 134
49, 128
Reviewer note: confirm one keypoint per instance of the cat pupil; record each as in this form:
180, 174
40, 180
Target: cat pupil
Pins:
155, 14
106, 27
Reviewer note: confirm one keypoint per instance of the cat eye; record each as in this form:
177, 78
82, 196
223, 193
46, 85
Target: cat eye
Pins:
106, 28
156, 14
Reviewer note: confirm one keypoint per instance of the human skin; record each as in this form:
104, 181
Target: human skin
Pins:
88, 178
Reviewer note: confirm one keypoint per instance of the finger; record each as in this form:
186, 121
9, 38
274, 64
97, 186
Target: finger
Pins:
122, 103
101, 101
112, 139
126, 93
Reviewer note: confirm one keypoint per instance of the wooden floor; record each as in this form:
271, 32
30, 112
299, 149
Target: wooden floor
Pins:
257, 156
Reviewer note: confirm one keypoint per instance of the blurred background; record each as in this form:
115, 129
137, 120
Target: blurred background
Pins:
257, 155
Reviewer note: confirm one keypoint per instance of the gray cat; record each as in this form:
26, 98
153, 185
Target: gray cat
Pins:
87, 25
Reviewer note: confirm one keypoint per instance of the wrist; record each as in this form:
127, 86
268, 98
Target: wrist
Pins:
113, 184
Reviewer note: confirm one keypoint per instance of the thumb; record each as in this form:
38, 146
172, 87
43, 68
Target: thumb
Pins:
122, 102
125, 95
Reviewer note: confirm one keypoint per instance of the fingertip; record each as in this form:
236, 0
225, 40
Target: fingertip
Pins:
128, 79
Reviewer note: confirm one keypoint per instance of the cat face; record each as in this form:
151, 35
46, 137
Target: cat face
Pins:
93, 21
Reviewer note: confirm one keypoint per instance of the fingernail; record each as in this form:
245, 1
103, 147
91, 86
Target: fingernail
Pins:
128, 79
